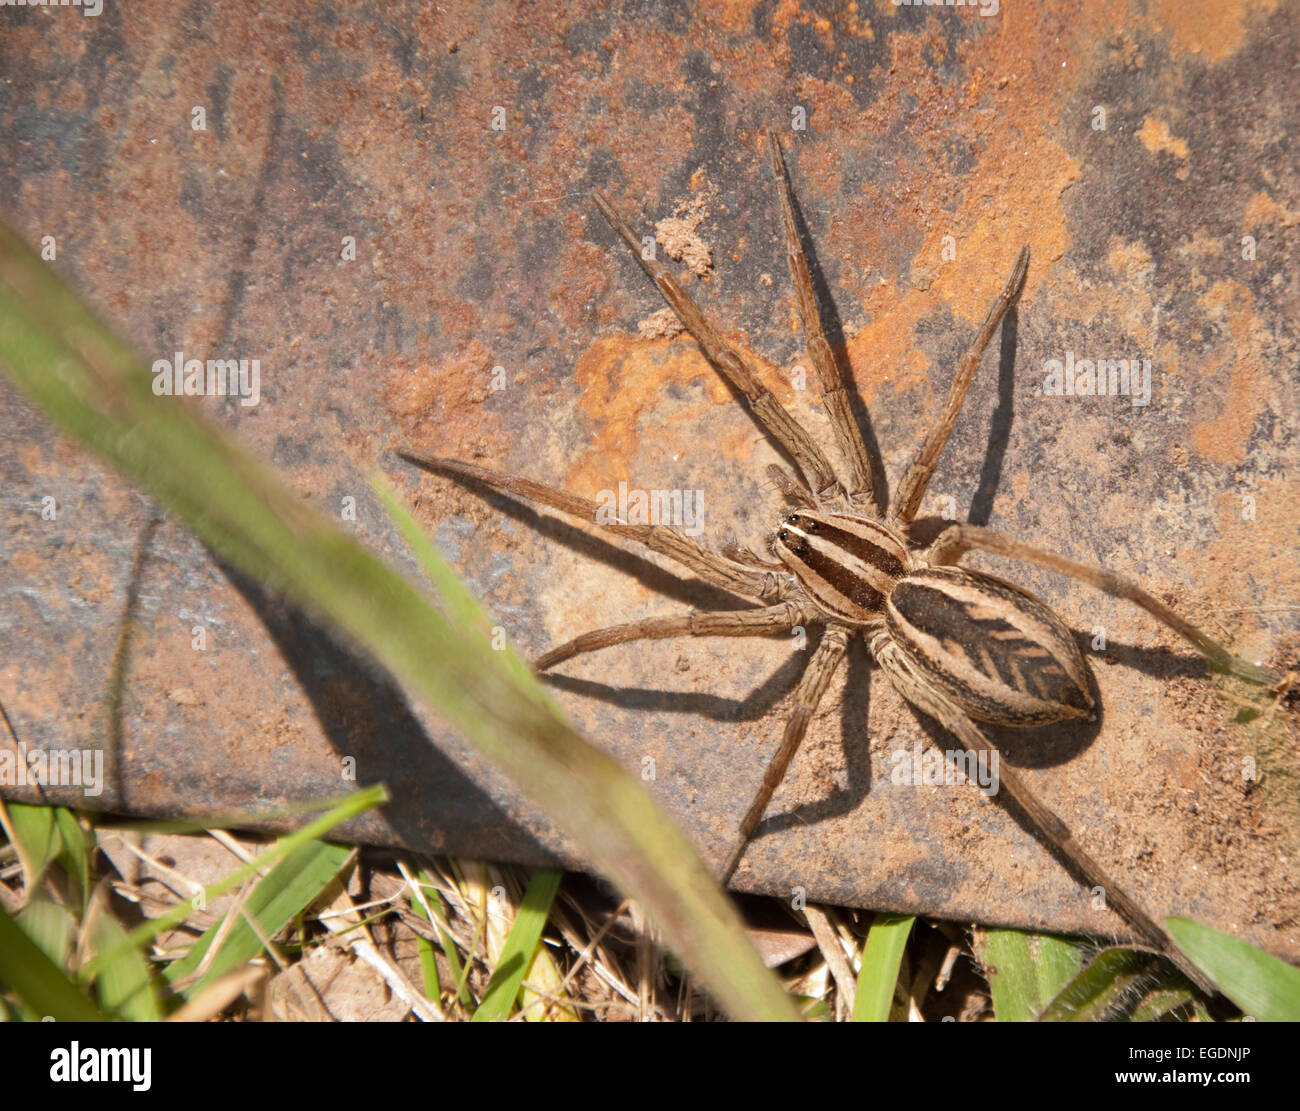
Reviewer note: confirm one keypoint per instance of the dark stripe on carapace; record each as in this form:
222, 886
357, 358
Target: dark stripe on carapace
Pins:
854, 587
865, 547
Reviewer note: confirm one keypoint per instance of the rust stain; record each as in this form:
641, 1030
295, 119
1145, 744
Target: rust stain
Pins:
447, 398
1266, 526
1010, 197
1263, 208
987, 237
1130, 261
583, 276
1225, 438
1208, 27
623, 378
1156, 137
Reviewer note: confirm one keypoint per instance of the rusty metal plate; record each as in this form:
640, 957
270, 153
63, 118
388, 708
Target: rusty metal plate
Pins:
1142, 151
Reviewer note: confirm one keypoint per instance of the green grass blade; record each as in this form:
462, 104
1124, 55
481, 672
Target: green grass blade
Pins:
39, 983
288, 889
461, 606
459, 976
1026, 971
35, 838
517, 955
91, 384
349, 806
428, 958
50, 927
1261, 985
124, 988
77, 849
1111, 986
882, 954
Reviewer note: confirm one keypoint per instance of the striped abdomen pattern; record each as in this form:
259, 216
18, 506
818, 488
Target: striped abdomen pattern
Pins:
990, 648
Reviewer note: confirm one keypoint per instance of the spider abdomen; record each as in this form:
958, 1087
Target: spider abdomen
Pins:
988, 647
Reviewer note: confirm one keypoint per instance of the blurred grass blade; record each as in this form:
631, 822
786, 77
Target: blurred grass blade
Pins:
125, 990
50, 927
35, 838
76, 851
39, 983
1262, 986
517, 955
461, 606
882, 954
92, 385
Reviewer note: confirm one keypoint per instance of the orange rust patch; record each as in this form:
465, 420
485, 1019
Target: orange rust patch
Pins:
886, 348
1262, 208
1208, 27
994, 222
1271, 534
1156, 137
582, 278
26, 563
623, 379
1130, 261
987, 236
1224, 439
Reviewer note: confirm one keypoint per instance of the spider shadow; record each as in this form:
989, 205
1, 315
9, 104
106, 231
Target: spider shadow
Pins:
754, 706
855, 741
690, 592
1046, 746
981, 506
855, 744
1051, 745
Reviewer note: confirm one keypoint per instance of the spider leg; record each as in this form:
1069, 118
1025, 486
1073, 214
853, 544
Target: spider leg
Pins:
722, 623
812, 686
830, 379
916, 691
770, 413
748, 582
912, 489
960, 538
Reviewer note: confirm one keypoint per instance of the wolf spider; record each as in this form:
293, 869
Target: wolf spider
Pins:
963, 647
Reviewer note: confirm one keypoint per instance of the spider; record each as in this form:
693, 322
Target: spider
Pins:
962, 647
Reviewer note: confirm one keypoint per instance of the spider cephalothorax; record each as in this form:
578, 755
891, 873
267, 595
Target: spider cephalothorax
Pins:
961, 646
847, 564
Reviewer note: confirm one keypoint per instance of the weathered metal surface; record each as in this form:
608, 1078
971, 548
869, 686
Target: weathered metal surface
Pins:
477, 248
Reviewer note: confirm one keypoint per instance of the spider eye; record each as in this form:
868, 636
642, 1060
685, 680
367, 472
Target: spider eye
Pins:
793, 519
783, 535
